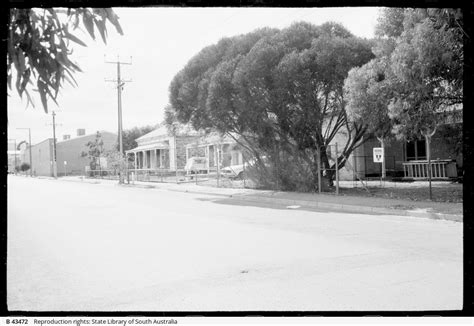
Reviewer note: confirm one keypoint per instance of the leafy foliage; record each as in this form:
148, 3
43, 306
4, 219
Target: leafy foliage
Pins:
116, 161
390, 22
428, 63
24, 167
95, 151
39, 47
279, 91
423, 52
416, 79
129, 136
368, 92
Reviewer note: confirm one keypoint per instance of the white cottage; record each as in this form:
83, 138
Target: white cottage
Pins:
159, 149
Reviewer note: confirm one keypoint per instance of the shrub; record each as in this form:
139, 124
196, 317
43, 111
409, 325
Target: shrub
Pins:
283, 172
24, 167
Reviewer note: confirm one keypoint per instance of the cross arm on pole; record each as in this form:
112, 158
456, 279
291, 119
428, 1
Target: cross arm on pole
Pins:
115, 80
118, 61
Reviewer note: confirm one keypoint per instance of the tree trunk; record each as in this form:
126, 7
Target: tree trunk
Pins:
328, 175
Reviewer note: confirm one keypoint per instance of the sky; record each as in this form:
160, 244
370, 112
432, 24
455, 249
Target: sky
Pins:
158, 42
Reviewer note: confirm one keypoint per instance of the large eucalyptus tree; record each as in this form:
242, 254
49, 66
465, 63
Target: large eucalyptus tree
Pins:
280, 92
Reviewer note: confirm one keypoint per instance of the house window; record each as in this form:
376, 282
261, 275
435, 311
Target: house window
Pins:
415, 150
236, 158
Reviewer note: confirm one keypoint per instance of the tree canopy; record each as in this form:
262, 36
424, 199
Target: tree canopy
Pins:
416, 78
416, 81
39, 49
95, 149
280, 91
428, 62
368, 92
129, 136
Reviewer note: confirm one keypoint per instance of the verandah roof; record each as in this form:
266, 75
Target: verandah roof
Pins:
160, 145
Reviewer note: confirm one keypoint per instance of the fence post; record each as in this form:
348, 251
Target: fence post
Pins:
176, 159
243, 170
337, 171
365, 167
217, 162
319, 169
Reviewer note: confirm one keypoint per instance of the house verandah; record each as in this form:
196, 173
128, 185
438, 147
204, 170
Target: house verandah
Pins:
405, 159
159, 150
408, 159
151, 156
220, 151
152, 151
161, 153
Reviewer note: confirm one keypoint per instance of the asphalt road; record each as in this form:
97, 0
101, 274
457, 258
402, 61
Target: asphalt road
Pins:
100, 247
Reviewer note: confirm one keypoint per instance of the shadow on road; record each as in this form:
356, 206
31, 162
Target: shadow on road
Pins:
242, 202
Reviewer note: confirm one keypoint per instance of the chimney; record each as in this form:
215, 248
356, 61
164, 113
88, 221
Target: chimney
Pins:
66, 137
81, 132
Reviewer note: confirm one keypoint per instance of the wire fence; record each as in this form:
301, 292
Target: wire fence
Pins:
224, 166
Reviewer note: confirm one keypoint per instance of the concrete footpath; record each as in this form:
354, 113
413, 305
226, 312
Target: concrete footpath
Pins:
354, 204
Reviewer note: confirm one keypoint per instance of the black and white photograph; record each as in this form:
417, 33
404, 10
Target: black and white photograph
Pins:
234, 159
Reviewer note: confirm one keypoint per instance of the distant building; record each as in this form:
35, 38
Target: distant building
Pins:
69, 152
14, 159
42, 157
69, 159
13, 156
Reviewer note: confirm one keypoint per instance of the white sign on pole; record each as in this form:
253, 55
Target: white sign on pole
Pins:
378, 154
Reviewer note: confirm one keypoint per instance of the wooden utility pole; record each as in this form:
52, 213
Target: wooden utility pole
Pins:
120, 83
55, 166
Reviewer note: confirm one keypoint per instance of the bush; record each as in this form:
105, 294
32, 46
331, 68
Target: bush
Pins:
286, 174
24, 167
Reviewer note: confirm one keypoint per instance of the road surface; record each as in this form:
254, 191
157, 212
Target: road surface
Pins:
76, 246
